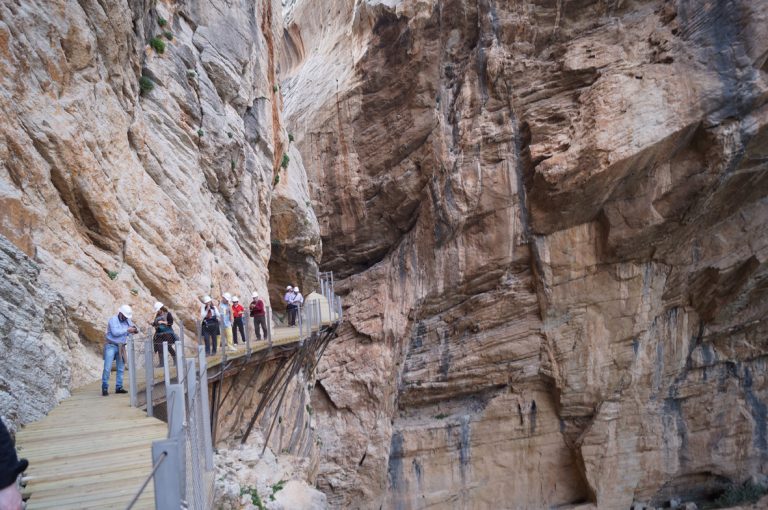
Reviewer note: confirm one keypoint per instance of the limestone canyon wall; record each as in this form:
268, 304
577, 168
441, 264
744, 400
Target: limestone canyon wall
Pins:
122, 194
551, 221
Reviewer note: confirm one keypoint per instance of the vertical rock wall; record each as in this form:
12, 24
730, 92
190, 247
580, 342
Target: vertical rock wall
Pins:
122, 194
551, 219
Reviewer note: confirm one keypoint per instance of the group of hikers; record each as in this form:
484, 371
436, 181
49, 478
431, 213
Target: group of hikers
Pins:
293, 300
227, 316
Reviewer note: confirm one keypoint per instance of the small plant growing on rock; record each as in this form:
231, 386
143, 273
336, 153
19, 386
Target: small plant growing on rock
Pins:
157, 44
254, 494
276, 181
290, 137
135, 292
200, 133
285, 161
232, 164
276, 488
112, 274
168, 35
309, 410
162, 21
230, 134
441, 416
191, 73
274, 89
146, 84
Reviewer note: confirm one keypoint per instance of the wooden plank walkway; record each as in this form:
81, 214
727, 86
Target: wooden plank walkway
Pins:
94, 452
90, 452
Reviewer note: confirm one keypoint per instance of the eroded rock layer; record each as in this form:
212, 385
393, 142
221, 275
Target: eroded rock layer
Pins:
551, 217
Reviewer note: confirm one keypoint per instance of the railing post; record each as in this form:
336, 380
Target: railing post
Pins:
175, 406
193, 395
179, 345
149, 373
167, 484
204, 409
174, 403
246, 322
131, 361
269, 325
166, 366
299, 312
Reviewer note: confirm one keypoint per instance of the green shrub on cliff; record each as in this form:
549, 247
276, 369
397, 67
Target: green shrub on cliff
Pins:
146, 84
157, 44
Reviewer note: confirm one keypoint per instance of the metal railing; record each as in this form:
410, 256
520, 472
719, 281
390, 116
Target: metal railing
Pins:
183, 462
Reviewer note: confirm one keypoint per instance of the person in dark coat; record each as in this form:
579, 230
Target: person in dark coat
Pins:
10, 469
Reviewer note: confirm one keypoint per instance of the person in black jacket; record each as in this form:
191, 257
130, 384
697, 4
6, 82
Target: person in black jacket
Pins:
10, 469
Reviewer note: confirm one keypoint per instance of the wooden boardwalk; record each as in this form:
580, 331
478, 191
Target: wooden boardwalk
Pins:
90, 452
94, 452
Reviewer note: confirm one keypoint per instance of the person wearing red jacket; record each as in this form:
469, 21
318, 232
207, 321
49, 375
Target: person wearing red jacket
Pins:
237, 314
259, 314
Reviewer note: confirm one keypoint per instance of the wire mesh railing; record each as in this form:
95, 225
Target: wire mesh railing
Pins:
183, 462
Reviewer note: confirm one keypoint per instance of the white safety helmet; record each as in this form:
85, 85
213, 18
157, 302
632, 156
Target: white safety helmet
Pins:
227, 296
206, 299
289, 288
295, 289
255, 295
126, 311
158, 306
235, 299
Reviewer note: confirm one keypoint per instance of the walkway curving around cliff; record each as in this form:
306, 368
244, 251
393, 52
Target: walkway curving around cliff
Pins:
95, 452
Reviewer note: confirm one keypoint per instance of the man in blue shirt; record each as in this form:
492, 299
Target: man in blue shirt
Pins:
118, 329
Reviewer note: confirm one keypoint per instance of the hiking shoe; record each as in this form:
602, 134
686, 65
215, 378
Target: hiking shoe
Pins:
120, 390
104, 392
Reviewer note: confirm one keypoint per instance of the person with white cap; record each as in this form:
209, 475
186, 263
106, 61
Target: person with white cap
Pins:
237, 319
225, 311
119, 328
259, 314
290, 308
163, 324
210, 325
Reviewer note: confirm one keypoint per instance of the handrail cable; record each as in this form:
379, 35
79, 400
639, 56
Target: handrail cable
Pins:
146, 482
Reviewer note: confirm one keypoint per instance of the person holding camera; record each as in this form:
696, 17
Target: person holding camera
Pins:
119, 328
210, 325
163, 324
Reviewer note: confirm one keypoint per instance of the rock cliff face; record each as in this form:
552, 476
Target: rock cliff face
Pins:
140, 150
551, 217
548, 219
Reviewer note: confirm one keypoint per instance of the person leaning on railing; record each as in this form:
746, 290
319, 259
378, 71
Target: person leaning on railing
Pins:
259, 314
119, 328
163, 324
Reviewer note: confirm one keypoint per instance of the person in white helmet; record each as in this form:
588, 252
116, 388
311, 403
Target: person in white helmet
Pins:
259, 314
298, 299
210, 325
163, 324
118, 329
290, 308
238, 311
225, 311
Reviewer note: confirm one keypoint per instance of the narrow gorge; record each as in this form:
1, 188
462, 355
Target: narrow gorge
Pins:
548, 221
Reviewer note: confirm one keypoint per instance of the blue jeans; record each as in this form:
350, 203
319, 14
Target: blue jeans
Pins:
111, 351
